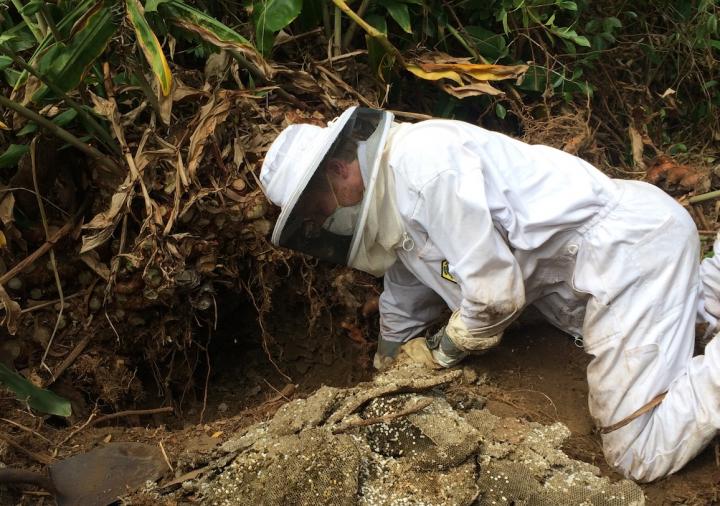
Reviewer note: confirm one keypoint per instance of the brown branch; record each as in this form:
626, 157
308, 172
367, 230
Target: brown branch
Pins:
22, 264
363, 422
43, 459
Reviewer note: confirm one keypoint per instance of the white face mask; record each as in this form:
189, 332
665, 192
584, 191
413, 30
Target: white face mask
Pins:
343, 220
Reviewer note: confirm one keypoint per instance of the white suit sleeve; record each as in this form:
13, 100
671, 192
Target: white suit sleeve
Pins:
407, 306
452, 208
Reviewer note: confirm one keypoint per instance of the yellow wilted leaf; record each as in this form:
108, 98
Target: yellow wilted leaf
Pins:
479, 71
150, 45
3, 240
436, 75
3, 126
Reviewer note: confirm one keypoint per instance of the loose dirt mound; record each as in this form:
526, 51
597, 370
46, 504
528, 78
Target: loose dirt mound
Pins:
396, 441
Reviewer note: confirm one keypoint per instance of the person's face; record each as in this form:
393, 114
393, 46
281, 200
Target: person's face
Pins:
346, 181
344, 188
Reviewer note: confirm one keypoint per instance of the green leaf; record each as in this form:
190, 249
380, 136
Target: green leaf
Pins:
568, 34
206, 27
12, 155
31, 8
150, 45
152, 5
568, 6
491, 45
61, 119
5, 61
611, 23
271, 16
40, 399
6, 37
500, 110
399, 12
65, 63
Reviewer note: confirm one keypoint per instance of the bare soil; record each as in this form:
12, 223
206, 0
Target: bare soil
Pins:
536, 374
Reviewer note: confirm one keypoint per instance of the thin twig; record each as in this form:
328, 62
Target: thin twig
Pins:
43, 304
207, 376
167, 460
38, 457
363, 422
72, 356
26, 429
332, 76
22, 264
43, 216
92, 421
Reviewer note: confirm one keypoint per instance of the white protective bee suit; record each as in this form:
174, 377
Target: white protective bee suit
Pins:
492, 225
498, 224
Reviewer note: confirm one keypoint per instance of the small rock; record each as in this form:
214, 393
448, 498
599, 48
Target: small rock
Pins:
222, 408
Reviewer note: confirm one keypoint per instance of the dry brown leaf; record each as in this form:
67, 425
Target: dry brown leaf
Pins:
247, 50
471, 79
472, 90
637, 147
7, 204
12, 311
211, 114
665, 169
92, 260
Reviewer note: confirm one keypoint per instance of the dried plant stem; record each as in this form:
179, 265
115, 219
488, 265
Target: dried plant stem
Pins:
43, 216
93, 420
104, 161
337, 32
22, 264
409, 409
26, 429
704, 196
43, 459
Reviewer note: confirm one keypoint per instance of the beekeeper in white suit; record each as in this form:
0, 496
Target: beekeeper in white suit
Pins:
457, 216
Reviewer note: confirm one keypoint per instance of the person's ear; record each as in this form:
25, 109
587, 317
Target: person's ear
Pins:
337, 167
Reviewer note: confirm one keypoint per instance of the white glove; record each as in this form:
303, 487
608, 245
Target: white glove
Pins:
475, 340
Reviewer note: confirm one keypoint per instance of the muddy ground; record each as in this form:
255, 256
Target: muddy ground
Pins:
536, 374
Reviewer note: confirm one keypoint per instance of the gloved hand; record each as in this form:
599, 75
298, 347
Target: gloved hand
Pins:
416, 351
444, 352
413, 351
455, 341
386, 353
